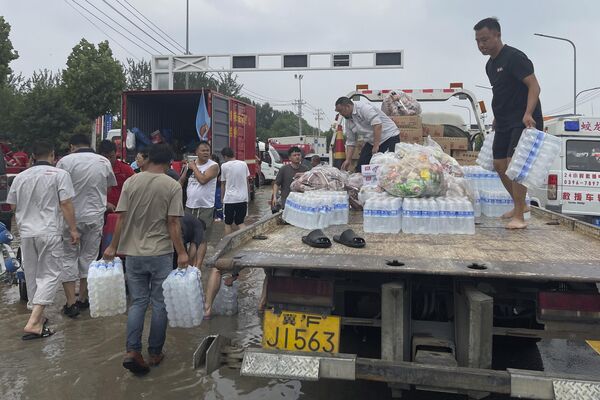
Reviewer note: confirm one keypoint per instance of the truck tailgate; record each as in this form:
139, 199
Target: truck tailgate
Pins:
552, 248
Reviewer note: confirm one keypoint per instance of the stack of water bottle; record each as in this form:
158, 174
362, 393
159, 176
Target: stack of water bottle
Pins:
533, 157
429, 215
106, 287
482, 179
225, 302
494, 203
184, 297
316, 209
485, 158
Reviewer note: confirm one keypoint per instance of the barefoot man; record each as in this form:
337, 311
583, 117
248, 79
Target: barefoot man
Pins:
516, 106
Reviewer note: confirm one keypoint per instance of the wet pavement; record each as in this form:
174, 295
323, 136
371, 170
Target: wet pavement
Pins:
83, 359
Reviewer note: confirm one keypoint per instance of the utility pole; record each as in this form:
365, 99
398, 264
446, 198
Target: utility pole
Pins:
299, 77
318, 117
187, 39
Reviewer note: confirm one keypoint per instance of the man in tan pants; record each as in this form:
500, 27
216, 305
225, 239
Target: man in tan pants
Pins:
41, 197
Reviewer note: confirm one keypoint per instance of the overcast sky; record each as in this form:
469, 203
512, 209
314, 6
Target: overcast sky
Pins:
436, 35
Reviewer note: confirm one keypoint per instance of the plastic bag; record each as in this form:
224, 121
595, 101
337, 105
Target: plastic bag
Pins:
353, 186
384, 158
417, 174
402, 149
398, 103
367, 192
458, 187
130, 141
451, 166
320, 178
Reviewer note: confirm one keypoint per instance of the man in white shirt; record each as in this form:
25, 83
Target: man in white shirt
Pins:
199, 180
234, 196
380, 133
41, 197
92, 175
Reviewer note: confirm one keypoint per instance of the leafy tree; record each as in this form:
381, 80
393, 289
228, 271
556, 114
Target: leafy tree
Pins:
93, 79
7, 53
285, 124
223, 82
44, 112
138, 75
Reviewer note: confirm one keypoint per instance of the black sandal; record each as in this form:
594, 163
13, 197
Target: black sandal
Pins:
350, 239
317, 239
43, 334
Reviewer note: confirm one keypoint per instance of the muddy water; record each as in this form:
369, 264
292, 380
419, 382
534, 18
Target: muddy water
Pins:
83, 359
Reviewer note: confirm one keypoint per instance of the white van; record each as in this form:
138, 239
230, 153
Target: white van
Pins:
270, 163
573, 185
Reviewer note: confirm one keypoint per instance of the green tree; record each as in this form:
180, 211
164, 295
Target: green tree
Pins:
7, 52
285, 124
44, 112
138, 75
223, 82
93, 79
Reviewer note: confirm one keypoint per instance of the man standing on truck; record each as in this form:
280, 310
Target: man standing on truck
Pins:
380, 132
92, 175
41, 197
200, 181
150, 209
121, 170
515, 103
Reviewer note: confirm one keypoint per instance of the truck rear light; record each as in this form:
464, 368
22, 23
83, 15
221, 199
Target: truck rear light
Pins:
552, 187
561, 306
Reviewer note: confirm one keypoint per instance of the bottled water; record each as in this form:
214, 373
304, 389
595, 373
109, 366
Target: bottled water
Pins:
225, 302
316, 209
533, 158
382, 214
485, 159
106, 287
184, 298
477, 205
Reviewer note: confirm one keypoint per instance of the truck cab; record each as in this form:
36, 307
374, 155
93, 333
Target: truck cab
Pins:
573, 184
270, 162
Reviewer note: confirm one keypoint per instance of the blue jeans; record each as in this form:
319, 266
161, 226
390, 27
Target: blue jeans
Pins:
145, 276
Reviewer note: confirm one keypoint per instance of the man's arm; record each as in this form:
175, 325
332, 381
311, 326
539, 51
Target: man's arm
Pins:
533, 96
111, 250
69, 213
222, 191
377, 129
207, 176
174, 225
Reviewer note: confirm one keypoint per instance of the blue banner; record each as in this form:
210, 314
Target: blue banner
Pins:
202, 119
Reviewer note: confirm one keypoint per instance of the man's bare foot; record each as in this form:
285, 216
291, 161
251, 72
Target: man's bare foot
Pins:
516, 223
511, 213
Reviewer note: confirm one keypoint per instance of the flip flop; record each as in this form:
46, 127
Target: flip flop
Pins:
317, 239
350, 239
44, 334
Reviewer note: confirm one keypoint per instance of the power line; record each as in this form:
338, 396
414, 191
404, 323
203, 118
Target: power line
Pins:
111, 27
582, 100
134, 24
101, 30
173, 41
116, 22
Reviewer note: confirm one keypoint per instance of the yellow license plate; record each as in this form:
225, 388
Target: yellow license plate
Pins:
301, 332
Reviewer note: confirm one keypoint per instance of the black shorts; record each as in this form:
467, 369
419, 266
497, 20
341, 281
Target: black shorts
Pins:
235, 213
506, 140
367, 151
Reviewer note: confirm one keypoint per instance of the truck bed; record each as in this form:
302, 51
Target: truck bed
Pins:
553, 248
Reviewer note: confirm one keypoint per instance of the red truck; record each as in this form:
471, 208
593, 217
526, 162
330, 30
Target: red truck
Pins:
233, 122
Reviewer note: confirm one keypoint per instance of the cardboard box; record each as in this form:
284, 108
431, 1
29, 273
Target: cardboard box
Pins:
452, 143
433, 130
411, 135
408, 122
465, 157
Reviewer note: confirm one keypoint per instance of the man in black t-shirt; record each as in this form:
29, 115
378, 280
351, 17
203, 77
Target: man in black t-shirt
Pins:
516, 106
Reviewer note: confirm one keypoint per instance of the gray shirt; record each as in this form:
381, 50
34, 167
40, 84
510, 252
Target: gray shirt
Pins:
284, 179
364, 117
91, 175
37, 193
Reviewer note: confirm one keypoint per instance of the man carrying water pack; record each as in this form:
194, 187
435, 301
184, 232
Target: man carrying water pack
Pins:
150, 209
516, 106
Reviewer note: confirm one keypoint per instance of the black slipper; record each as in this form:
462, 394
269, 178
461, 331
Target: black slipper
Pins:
44, 334
349, 238
317, 239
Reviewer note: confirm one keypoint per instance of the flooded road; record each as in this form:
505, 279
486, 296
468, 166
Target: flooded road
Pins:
83, 359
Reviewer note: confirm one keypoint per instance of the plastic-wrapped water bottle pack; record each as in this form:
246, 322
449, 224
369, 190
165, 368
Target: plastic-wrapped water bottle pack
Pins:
225, 302
438, 215
494, 203
184, 297
106, 287
482, 179
485, 159
316, 209
382, 213
533, 158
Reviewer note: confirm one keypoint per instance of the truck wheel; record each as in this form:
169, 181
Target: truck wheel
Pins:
23, 290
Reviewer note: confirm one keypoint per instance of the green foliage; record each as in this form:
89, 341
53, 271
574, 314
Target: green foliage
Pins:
93, 79
7, 53
43, 112
223, 82
138, 75
285, 123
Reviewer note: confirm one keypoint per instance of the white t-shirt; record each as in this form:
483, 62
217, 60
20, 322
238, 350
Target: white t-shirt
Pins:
37, 193
199, 195
235, 174
91, 175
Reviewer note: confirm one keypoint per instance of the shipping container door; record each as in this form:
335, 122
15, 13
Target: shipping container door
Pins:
238, 129
220, 123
